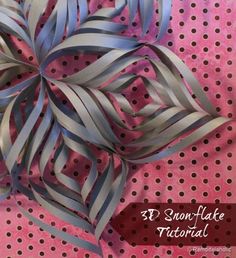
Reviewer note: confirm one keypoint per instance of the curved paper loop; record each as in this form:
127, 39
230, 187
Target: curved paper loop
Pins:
35, 127
146, 8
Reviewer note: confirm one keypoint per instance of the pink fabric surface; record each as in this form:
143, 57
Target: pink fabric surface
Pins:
203, 34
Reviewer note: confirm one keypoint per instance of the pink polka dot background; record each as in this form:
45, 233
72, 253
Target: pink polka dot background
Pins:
203, 34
